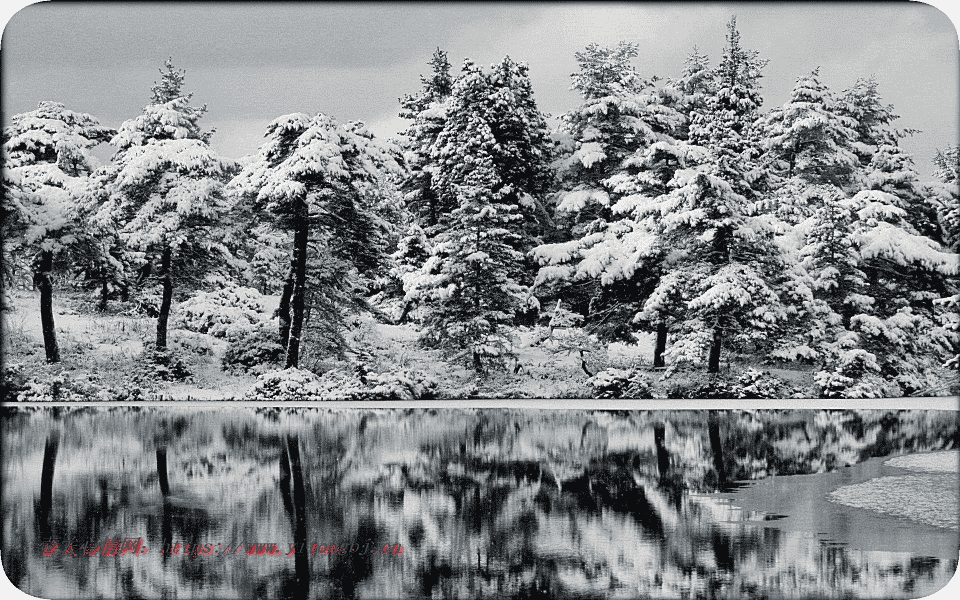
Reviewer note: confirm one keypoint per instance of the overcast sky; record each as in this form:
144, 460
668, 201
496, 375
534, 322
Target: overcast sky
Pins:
251, 63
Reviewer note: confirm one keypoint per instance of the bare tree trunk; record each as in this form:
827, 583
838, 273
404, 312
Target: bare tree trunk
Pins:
162, 471
300, 239
713, 364
661, 345
663, 455
283, 311
713, 426
104, 290
46, 475
301, 558
167, 282
45, 285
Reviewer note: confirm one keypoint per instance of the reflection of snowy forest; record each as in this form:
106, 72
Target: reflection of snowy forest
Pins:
669, 239
491, 503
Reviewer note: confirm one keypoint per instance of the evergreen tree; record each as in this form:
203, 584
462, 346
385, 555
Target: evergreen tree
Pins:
427, 110
46, 158
166, 192
601, 268
491, 161
871, 119
808, 137
320, 181
946, 196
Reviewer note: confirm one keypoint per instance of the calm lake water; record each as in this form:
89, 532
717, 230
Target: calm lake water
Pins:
458, 503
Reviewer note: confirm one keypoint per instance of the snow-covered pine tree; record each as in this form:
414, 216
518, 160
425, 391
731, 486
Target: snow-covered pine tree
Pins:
46, 158
718, 266
319, 180
166, 192
871, 119
946, 196
427, 110
469, 283
601, 267
808, 137
694, 86
491, 158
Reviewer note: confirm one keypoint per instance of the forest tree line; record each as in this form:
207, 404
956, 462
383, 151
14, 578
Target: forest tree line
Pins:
675, 207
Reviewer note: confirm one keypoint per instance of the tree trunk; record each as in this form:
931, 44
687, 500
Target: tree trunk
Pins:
283, 311
167, 282
663, 455
713, 365
104, 290
45, 285
301, 558
300, 239
162, 471
661, 345
713, 427
46, 475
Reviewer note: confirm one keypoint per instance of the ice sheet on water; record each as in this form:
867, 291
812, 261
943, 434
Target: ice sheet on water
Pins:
928, 497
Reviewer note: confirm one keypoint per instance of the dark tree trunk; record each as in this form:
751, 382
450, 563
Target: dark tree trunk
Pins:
162, 471
300, 239
167, 282
713, 425
43, 282
661, 345
104, 291
46, 480
301, 558
285, 489
283, 311
663, 456
713, 365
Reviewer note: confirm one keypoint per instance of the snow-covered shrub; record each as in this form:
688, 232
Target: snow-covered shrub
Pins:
755, 384
62, 387
163, 365
145, 302
621, 383
298, 385
402, 385
852, 374
224, 313
254, 350
288, 385
191, 343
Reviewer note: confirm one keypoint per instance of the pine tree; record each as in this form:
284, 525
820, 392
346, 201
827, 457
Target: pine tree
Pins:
470, 282
166, 192
871, 119
491, 163
946, 196
601, 267
46, 159
808, 137
718, 266
427, 110
320, 180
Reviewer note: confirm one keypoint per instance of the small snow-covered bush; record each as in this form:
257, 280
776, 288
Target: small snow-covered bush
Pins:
298, 385
288, 385
853, 373
254, 350
621, 383
163, 365
751, 384
62, 387
402, 385
224, 313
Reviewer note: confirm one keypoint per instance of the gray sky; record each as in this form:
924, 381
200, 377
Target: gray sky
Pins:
252, 62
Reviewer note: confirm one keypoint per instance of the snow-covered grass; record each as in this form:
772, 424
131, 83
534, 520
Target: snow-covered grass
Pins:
104, 352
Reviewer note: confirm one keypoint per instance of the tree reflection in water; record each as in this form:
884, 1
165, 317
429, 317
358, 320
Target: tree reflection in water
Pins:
505, 503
